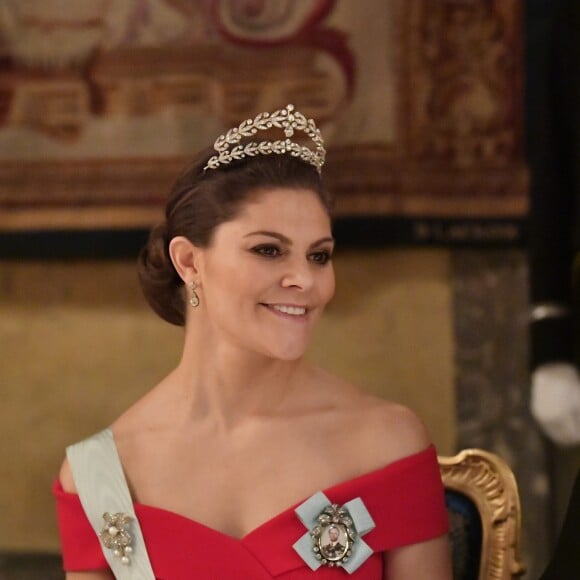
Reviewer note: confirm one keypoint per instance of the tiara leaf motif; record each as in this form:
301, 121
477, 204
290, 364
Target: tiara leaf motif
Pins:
229, 149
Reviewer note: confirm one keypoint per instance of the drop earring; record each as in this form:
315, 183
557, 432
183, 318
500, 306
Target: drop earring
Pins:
193, 297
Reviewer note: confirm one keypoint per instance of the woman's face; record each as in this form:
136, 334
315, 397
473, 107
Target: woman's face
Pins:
268, 275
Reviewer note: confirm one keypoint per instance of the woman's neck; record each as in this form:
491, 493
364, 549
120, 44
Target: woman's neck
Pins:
228, 385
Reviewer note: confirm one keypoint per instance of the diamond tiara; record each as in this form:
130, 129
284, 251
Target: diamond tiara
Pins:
229, 149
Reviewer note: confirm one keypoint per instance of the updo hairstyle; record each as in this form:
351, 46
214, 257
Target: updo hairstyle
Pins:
198, 203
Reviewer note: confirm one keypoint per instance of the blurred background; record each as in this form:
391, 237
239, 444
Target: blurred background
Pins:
452, 134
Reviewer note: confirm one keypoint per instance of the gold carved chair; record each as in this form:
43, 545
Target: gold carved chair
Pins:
485, 516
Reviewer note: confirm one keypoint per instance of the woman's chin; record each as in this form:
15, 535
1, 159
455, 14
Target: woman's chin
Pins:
289, 353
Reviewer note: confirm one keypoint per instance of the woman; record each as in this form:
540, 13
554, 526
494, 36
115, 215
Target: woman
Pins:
232, 447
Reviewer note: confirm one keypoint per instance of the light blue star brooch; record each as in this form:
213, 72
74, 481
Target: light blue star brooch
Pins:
334, 533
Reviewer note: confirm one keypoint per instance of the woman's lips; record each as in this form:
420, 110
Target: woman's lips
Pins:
288, 311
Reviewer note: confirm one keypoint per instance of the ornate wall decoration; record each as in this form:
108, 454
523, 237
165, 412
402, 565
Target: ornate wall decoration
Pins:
419, 105
466, 61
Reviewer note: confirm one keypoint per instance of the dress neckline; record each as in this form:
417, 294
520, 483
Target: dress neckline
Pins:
337, 487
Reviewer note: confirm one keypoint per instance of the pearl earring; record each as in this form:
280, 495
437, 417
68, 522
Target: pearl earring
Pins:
193, 298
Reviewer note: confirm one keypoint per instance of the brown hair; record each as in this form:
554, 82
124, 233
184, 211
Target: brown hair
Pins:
199, 202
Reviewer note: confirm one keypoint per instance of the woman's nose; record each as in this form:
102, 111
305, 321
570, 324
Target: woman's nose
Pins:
298, 275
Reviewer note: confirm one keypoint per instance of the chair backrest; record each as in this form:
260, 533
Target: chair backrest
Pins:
485, 516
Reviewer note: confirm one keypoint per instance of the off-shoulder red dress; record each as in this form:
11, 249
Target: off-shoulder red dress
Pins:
404, 498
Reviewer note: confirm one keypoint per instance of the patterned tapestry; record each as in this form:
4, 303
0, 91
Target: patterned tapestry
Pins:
103, 101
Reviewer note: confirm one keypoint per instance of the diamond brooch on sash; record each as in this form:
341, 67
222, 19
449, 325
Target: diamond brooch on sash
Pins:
334, 533
115, 535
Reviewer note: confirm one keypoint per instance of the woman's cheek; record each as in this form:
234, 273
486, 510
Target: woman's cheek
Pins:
331, 284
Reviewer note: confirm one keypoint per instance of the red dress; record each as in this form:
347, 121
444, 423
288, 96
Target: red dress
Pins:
404, 498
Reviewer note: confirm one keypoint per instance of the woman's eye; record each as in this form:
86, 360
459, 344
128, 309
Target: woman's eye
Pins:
320, 257
267, 250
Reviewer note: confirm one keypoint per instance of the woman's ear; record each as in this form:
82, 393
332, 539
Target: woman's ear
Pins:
185, 257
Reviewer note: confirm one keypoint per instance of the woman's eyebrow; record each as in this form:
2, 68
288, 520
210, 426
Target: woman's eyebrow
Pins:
322, 241
287, 240
276, 235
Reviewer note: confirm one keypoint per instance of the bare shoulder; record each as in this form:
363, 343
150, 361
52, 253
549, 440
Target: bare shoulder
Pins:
120, 425
396, 428
125, 424
383, 431
66, 477
388, 432
153, 411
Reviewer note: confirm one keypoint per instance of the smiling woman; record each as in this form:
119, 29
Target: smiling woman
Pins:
245, 448
279, 276
200, 201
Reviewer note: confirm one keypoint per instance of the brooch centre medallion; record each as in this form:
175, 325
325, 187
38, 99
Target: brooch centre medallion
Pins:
333, 535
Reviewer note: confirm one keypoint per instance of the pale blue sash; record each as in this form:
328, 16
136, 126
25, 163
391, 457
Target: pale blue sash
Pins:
102, 487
